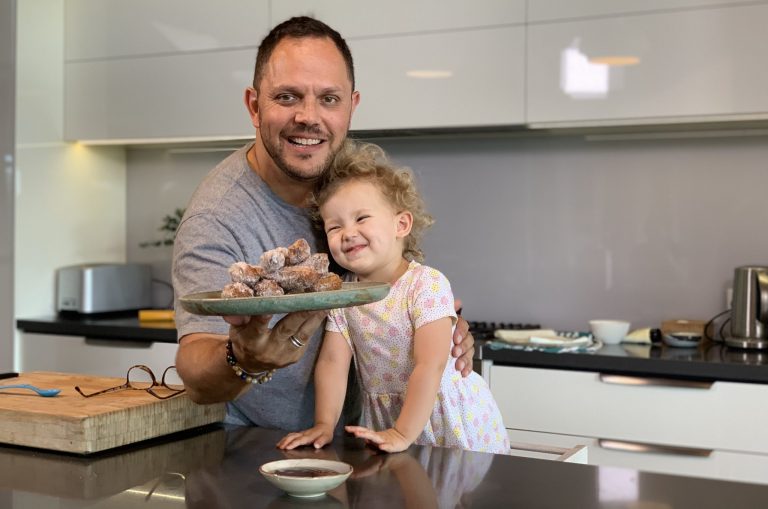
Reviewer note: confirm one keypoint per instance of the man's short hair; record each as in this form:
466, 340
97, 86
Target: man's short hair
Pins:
300, 27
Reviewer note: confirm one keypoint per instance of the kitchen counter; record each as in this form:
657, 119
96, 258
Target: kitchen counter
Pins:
218, 467
710, 361
122, 326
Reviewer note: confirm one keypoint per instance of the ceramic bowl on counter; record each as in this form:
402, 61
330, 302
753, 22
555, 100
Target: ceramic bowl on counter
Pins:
306, 478
610, 332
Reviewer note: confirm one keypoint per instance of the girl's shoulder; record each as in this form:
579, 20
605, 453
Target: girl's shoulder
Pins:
420, 271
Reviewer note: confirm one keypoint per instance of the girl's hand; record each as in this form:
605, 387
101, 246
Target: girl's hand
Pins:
318, 436
389, 440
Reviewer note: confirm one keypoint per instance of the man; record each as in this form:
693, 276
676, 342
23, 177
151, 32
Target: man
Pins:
301, 105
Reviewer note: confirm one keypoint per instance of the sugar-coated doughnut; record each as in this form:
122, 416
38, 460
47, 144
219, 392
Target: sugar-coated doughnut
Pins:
327, 282
236, 289
297, 252
241, 272
268, 288
295, 279
318, 261
274, 259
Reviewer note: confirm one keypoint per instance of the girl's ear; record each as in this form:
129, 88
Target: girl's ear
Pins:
404, 224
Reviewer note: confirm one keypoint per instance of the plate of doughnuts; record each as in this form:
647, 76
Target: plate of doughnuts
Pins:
350, 294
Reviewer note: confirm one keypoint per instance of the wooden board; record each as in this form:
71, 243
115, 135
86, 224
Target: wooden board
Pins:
71, 423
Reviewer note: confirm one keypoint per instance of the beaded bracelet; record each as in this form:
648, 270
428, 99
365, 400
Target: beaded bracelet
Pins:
251, 378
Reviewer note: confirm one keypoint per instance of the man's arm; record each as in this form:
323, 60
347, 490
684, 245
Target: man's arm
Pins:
201, 359
201, 364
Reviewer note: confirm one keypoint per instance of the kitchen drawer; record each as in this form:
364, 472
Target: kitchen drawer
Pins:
724, 465
723, 415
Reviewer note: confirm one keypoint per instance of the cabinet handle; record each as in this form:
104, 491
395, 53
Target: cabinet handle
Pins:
620, 445
656, 382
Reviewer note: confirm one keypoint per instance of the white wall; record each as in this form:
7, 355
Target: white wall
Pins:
556, 230
70, 199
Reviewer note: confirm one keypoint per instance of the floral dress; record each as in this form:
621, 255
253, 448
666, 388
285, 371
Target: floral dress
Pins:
381, 336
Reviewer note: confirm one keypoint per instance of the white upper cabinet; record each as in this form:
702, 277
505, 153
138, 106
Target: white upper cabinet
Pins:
442, 80
548, 10
147, 69
432, 63
365, 19
98, 29
698, 65
188, 95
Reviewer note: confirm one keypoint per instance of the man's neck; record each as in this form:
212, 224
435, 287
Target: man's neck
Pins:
287, 189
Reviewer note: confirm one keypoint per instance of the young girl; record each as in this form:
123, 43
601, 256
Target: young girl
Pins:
374, 218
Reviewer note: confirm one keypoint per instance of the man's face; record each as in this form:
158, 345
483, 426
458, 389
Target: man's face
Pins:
303, 106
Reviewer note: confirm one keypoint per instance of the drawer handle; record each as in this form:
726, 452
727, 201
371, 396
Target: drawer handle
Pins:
620, 445
656, 382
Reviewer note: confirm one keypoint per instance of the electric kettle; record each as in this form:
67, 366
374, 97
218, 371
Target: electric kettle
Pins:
749, 312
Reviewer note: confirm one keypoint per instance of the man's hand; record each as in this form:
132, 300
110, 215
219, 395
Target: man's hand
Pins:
256, 347
318, 436
389, 440
464, 344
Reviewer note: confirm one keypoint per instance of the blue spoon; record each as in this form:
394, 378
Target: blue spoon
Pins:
47, 393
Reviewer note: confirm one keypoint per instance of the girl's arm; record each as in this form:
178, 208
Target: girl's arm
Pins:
431, 347
432, 344
331, 371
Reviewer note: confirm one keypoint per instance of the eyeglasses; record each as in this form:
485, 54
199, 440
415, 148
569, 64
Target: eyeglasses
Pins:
140, 378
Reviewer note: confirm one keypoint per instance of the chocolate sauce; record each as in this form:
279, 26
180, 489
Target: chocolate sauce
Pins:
305, 472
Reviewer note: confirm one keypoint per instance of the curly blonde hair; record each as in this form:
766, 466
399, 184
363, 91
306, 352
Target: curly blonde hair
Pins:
360, 161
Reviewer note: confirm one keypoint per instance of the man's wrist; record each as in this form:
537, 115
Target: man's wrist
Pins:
246, 376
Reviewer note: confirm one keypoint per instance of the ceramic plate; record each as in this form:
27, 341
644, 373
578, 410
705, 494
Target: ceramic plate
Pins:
306, 477
682, 339
351, 294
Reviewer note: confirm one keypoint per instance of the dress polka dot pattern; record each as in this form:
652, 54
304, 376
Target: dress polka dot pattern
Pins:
381, 336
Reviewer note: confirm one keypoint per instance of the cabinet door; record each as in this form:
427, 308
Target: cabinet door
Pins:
547, 10
364, 19
456, 79
98, 29
76, 354
689, 66
167, 96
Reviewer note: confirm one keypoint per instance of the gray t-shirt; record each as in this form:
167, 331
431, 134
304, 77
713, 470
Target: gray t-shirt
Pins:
234, 216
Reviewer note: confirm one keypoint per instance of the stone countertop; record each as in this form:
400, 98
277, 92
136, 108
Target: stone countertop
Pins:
710, 361
121, 326
218, 467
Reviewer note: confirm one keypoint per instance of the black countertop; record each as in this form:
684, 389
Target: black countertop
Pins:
710, 361
123, 326
218, 468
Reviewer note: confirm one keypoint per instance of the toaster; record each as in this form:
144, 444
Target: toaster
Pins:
103, 287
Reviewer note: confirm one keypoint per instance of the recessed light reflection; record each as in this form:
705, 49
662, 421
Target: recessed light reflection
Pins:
429, 74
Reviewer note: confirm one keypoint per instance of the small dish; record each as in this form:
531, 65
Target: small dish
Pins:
610, 332
306, 478
682, 339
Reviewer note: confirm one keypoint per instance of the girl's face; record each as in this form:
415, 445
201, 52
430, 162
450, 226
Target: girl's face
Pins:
365, 234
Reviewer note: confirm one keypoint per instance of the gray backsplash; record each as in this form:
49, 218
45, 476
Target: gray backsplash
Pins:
553, 229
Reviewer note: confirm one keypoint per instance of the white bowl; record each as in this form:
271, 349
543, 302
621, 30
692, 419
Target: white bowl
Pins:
610, 332
309, 484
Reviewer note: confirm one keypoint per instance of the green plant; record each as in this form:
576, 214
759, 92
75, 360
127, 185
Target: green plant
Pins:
168, 227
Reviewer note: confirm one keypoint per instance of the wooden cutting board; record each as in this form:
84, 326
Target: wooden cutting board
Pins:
71, 423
